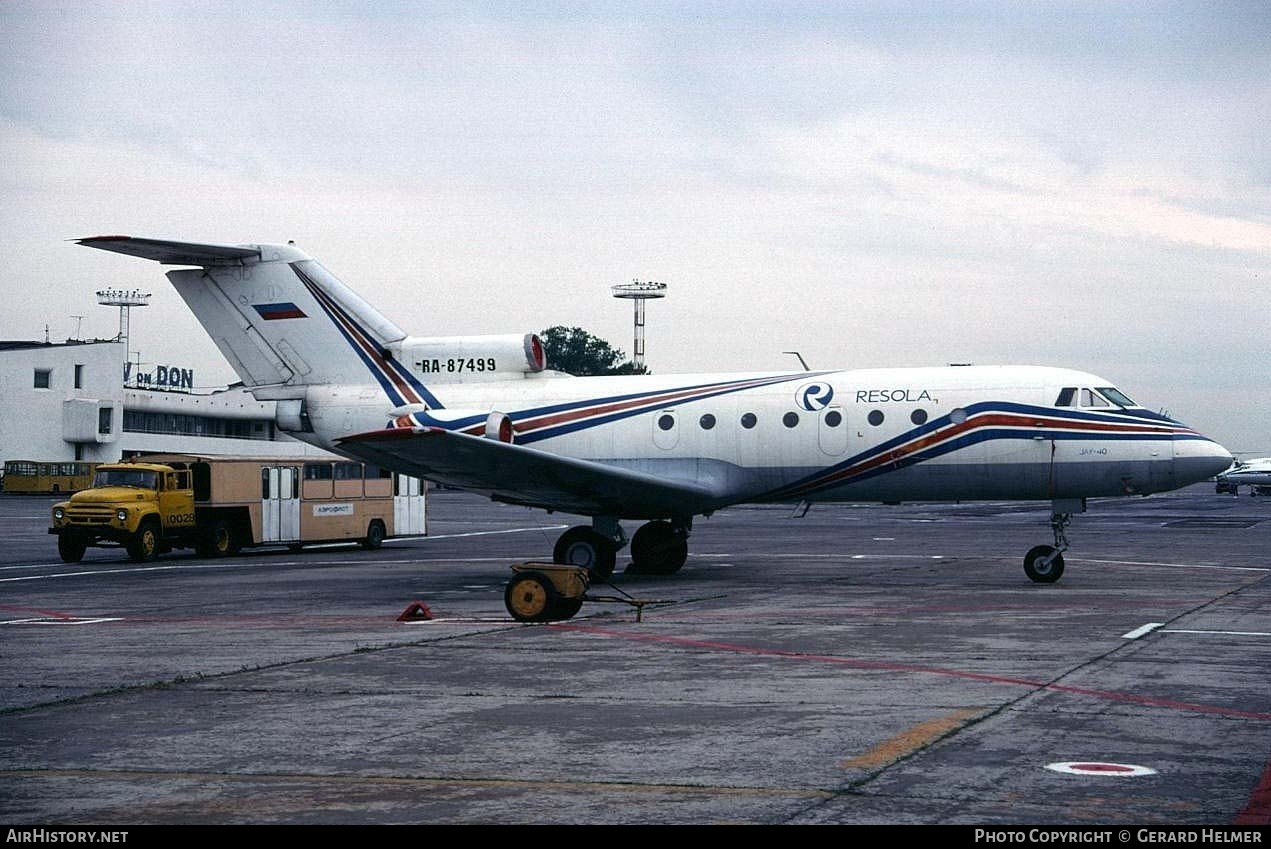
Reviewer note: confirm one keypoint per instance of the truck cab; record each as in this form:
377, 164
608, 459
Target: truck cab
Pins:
146, 508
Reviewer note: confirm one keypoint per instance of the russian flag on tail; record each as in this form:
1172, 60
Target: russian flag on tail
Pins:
273, 312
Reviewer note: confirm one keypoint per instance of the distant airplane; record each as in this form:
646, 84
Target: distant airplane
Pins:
485, 413
1255, 473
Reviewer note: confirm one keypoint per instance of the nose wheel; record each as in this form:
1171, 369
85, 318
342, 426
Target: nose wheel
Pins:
1044, 564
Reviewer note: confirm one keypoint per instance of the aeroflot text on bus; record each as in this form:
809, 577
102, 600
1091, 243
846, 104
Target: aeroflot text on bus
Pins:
878, 396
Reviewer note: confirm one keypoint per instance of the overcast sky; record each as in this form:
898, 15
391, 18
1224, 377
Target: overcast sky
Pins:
872, 184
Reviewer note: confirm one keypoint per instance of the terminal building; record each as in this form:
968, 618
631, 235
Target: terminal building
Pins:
77, 401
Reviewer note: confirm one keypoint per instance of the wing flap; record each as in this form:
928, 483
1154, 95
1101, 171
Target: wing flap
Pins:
521, 475
171, 253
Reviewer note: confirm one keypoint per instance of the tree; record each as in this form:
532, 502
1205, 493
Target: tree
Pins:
575, 351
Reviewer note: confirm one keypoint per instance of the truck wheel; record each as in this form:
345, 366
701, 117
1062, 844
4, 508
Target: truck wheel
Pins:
71, 549
374, 535
221, 540
144, 546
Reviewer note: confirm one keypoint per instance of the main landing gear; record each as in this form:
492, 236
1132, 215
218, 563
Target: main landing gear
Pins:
1044, 564
658, 547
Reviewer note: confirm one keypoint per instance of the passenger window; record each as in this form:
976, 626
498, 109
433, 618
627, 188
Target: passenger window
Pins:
790, 419
317, 471
875, 417
748, 421
918, 417
833, 418
707, 421
1066, 396
666, 422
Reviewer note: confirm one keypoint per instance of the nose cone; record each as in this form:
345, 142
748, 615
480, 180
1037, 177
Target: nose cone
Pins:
1196, 460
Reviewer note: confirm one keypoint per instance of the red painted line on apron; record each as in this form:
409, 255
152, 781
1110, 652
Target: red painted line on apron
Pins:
1110, 695
55, 614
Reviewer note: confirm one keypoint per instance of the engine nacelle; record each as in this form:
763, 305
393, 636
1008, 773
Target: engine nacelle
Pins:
461, 358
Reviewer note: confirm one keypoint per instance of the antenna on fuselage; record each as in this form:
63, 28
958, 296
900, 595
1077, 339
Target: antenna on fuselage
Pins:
801, 361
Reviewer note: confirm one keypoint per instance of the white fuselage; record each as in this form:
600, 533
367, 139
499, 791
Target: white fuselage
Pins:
883, 434
1256, 472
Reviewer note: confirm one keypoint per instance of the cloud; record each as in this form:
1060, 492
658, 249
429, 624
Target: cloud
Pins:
873, 184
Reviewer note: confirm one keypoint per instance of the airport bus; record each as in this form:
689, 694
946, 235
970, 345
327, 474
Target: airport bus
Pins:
34, 477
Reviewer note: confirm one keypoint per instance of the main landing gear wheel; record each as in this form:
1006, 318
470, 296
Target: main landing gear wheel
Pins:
1043, 564
531, 597
582, 546
658, 549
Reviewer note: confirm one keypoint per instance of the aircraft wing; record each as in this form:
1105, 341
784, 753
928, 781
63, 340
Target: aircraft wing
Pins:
520, 475
170, 253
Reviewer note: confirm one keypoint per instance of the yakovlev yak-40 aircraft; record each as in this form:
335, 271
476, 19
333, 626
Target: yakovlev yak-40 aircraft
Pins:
485, 413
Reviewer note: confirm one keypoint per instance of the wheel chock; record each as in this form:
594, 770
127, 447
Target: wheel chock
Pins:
416, 611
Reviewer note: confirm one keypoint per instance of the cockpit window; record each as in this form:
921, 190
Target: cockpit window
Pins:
1116, 397
1104, 396
1090, 398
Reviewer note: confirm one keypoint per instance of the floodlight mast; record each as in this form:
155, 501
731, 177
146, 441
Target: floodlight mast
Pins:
639, 292
125, 300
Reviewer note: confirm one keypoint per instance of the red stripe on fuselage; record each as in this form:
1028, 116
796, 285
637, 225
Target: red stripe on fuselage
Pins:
567, 416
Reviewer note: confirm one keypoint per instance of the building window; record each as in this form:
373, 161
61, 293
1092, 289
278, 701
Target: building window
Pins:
104, 420
137, 421
79, 376
43, 378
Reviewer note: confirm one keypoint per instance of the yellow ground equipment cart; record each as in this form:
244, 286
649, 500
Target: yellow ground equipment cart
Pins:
545, 592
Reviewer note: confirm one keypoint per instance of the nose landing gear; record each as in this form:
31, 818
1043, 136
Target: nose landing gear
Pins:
1044, 564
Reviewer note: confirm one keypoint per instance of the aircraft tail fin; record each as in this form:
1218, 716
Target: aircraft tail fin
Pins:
282, 320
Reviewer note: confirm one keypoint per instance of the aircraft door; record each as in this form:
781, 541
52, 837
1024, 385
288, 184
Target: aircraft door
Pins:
408, 506
1161, 466
665, 429
832, 431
